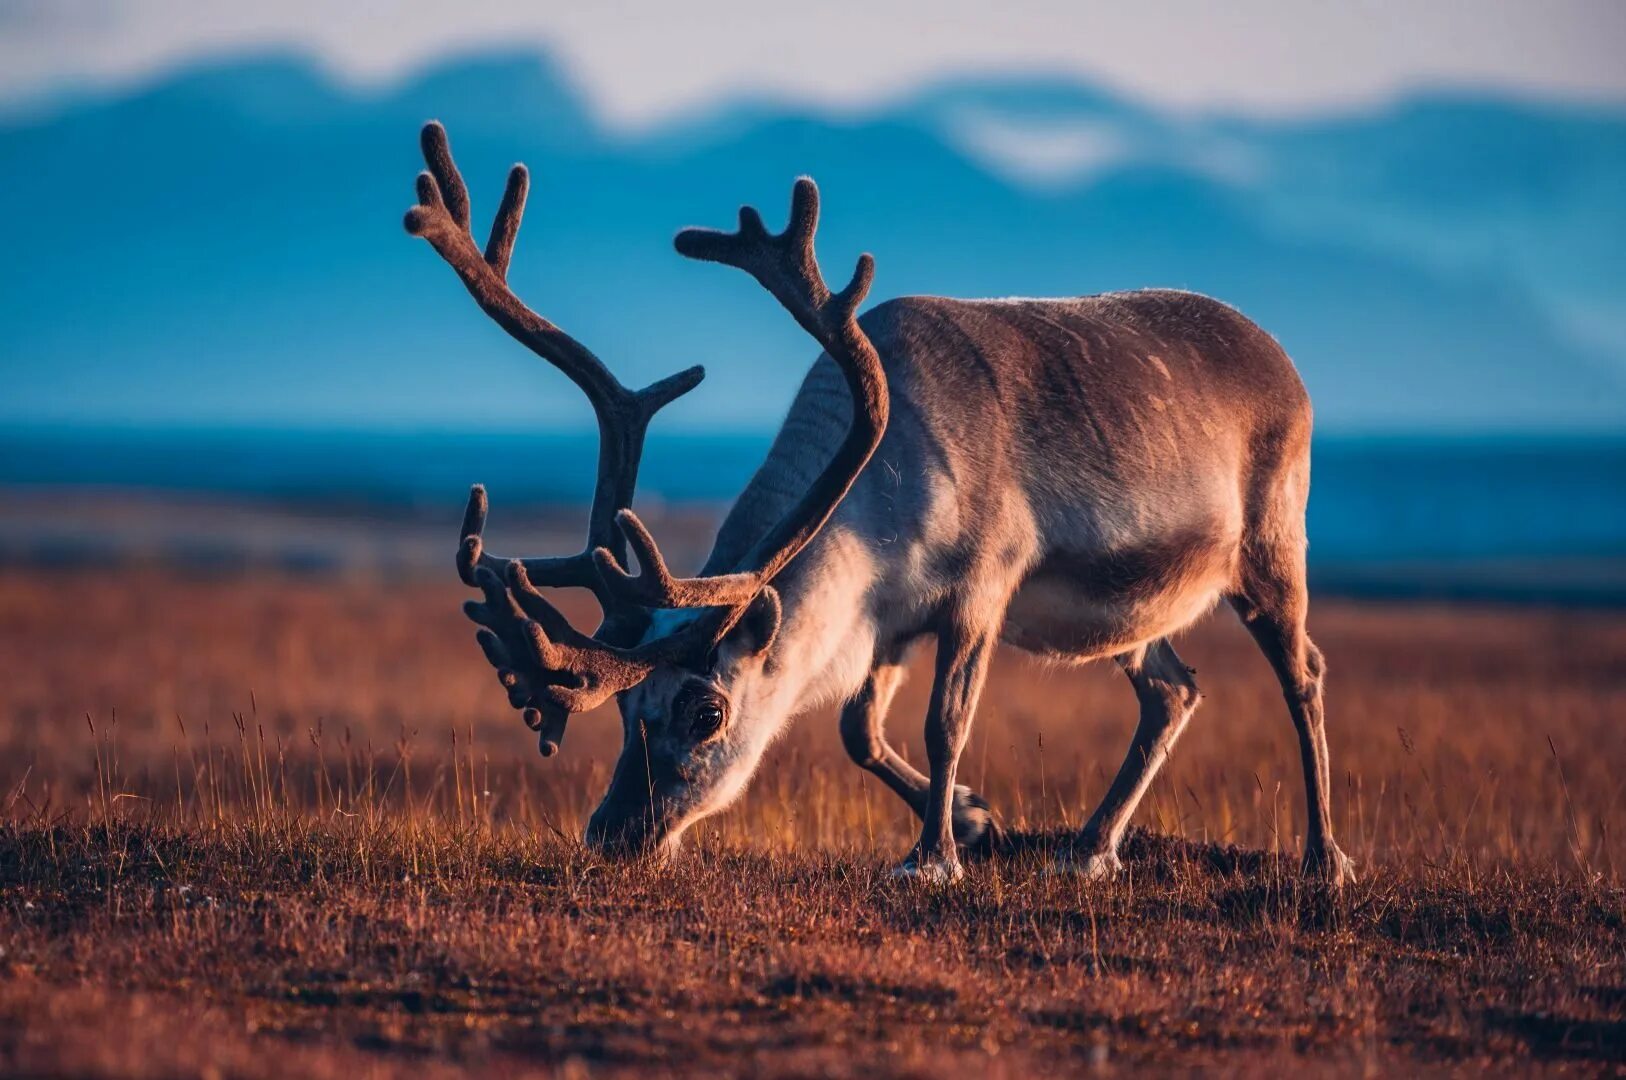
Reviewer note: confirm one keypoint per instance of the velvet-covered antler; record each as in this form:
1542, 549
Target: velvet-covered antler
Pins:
442, 218
549, 668
786, 266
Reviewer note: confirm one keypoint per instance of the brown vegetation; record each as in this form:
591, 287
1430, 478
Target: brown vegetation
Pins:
281, 826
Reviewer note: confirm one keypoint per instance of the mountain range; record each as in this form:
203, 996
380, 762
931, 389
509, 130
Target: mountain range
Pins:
223, 245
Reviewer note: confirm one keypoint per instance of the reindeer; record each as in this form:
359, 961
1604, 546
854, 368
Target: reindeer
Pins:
1080, 478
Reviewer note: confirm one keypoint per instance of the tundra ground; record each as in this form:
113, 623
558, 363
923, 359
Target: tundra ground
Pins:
286, 826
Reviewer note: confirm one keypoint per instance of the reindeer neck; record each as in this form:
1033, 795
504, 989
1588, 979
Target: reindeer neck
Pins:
827, 635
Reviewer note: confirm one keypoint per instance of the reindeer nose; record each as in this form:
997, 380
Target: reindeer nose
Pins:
619, 835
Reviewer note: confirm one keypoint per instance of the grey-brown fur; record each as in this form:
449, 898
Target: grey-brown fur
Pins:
1081, 478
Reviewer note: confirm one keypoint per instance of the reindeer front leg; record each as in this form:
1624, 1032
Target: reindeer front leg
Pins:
863, 733
963, 652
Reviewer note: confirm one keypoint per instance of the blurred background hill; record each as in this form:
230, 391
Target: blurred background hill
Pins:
207, 292
1450, 261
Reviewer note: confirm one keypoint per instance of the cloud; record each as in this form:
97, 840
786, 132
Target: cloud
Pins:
1041, 153
1056, 151
644, 60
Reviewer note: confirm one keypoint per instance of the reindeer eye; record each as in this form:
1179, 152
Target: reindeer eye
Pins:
706, 715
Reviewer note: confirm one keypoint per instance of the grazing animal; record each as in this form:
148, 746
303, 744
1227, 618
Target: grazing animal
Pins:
1079, 478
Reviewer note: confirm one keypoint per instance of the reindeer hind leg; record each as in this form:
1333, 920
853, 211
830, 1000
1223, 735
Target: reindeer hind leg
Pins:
1273, 603
1168, 696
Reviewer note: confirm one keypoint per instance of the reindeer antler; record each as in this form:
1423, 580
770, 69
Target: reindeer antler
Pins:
785, 265
442, 218
549, 668
555, 664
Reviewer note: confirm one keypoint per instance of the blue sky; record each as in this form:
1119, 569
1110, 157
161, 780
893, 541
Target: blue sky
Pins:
641, 62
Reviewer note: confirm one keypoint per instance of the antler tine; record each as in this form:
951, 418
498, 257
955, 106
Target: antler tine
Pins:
505, 226
549, 725
655, 586
534, 669
500, 638
599, 671
437, 154
785, 265
577, 570
469, 551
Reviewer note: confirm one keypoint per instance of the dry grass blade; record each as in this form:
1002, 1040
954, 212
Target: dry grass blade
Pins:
333, 886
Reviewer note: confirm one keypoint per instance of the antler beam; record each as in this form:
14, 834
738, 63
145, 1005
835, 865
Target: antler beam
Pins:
785, 265
442, 218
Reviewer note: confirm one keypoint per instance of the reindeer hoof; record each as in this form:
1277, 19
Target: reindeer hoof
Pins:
936, 873
974, 826
1329, 865
1102, 866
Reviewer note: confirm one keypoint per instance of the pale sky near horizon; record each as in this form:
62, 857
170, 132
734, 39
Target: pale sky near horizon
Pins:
641, 61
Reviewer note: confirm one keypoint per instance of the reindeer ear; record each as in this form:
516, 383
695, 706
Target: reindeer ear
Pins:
757, 628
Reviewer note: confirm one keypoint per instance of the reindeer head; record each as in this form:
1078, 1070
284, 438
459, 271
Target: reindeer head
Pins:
691, 660
692, 734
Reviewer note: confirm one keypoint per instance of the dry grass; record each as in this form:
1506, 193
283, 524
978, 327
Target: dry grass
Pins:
312, 841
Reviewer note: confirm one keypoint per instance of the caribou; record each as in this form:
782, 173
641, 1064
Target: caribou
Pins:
1079, 478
